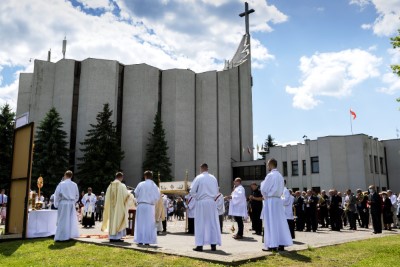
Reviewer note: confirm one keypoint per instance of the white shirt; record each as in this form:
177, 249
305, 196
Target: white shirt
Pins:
238, 203
3, 199
220, 204
66, 190
288, 200
204, 186
147, 192
273, 185
393, 199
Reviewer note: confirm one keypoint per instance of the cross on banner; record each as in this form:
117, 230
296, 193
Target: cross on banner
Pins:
245, 14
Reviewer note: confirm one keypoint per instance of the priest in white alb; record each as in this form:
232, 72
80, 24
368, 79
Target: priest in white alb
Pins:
276, 229
65, 197
204, 189
115, 214
89, 204
147, 194
238, 206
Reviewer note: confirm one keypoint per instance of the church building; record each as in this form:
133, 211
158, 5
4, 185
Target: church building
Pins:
207, 116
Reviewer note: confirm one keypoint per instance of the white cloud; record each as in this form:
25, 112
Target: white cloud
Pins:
388, 11
332, 74
366, 26
393, 83
391, 80
359, 2
8, 94
207, 32
95, 4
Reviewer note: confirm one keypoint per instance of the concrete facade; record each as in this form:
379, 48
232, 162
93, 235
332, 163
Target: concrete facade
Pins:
178, 113
98, 85
140, 103
341, 162
207, 116
392, 153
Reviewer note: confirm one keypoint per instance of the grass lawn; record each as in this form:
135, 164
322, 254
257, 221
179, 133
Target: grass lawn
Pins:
383, 251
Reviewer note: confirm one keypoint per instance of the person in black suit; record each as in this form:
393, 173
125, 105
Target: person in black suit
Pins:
299, 208
334, 210
323, 209
256, 207
310, 203
375, 204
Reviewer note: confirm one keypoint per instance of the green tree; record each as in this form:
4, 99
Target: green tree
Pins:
50, 157
157, 159
6, 139
102, 153
395, 41
269, 142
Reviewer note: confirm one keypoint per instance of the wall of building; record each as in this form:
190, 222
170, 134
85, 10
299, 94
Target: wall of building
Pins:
343, 162
42, 90
63, 92
140, 103
207, 121
207, 116
393, 163
224, 175
178, 114
98, 85
24, 93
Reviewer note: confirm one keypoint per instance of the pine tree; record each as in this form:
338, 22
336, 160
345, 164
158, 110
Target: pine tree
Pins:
6, 139
157, 159
102, 153
50, 157
269, 142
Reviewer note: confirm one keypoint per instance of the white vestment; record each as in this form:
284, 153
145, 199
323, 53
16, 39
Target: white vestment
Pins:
65, 197
276, 229
89, 202
147, 194
165, 204
206, 227
238, 203
191, 204
220, 204
288, 200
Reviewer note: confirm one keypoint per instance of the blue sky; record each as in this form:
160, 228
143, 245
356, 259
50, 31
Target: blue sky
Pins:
313, 60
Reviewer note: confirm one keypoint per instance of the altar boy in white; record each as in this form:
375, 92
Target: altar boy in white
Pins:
147, 194
206, 223
89, 202
238, 206
65, 197
276, 229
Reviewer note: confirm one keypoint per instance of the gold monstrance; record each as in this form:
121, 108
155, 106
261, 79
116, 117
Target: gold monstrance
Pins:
38, 205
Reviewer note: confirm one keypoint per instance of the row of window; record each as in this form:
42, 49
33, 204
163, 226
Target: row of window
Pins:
295, 167
374, 165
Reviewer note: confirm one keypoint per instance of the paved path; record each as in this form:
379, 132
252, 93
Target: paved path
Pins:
232, 251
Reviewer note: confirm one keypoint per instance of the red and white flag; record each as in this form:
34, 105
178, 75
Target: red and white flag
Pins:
352, 113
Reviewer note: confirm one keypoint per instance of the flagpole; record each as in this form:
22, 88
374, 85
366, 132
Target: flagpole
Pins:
351, 124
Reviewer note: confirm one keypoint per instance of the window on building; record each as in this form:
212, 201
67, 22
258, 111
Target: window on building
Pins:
284, 165
376, 164
304, 168
295, 168
382, 165
371, 168
248, 173
314, 165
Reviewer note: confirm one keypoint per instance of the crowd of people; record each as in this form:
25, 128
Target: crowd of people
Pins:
274, 210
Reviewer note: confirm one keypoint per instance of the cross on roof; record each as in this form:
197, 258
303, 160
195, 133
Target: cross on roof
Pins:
246, 15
